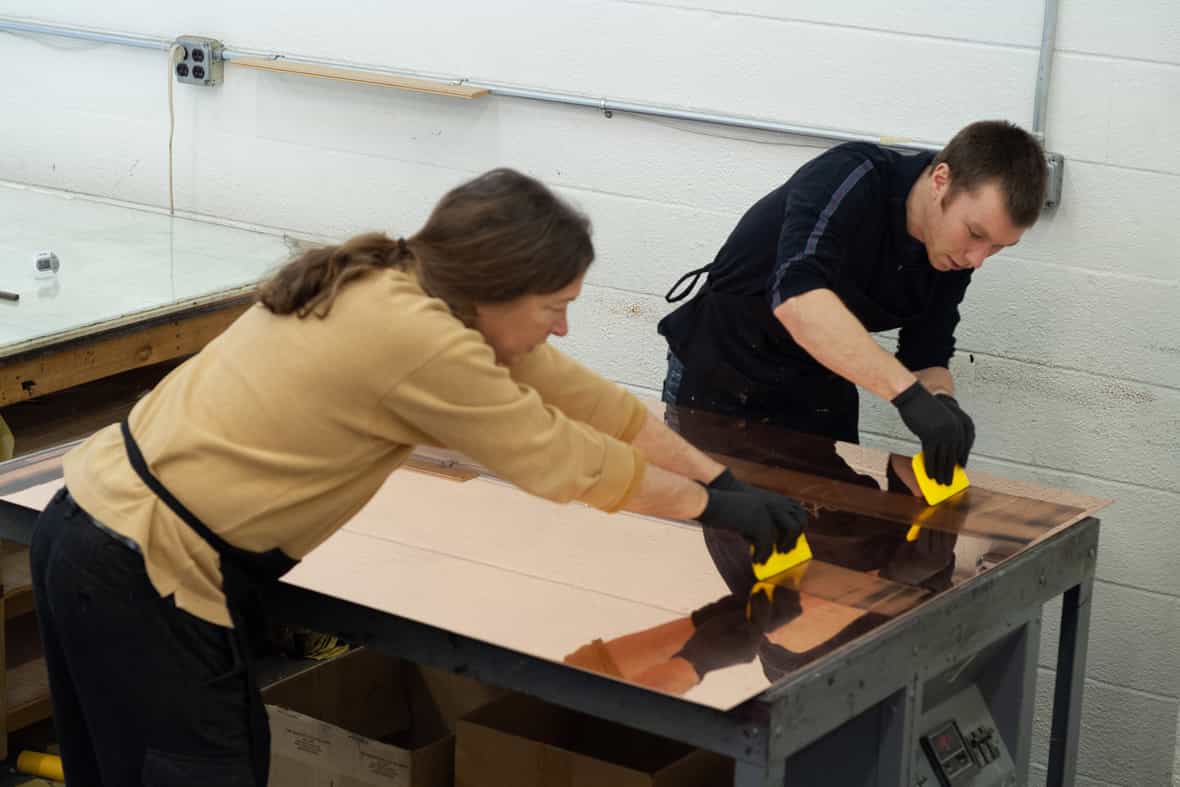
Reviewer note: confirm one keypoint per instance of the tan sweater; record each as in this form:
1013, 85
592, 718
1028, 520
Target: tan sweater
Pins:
282, 428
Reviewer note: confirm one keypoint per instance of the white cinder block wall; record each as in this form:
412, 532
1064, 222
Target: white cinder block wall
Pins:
1070, 345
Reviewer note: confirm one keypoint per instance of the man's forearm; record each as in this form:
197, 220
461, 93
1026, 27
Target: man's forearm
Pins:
822, 325
664, 448
937, 380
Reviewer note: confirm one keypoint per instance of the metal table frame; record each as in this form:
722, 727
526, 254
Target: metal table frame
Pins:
884, 670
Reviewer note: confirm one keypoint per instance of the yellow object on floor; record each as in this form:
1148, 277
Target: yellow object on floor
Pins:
781, 561
318, 646
7, 442
933, 491
47, 766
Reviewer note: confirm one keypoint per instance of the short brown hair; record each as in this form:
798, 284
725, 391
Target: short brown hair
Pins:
492, 239
996, 150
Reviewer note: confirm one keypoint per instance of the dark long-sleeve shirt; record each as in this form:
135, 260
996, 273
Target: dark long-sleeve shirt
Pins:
839, 223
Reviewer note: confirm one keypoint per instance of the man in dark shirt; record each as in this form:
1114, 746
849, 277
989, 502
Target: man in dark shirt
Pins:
860, 239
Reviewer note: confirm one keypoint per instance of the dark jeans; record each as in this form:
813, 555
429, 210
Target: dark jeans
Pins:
143, 693
822, 404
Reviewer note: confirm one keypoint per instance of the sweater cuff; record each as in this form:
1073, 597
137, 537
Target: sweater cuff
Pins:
636, 418
622, 474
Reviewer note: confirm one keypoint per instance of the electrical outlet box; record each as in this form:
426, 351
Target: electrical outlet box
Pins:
199, 61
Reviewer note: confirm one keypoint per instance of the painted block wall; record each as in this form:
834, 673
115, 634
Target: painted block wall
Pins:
1070, 345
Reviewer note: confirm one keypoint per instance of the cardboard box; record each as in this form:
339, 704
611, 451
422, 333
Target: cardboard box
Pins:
350, 723
522, 742
307, 752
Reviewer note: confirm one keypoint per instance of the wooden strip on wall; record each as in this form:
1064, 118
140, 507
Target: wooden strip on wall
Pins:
362, 77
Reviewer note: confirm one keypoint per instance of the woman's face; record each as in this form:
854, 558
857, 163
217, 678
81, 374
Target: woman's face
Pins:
515, 328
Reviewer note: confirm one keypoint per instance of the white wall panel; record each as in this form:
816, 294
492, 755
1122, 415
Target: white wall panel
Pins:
1125, 741
1152, 665
1136, 29
1008, 22
1125, 113
1108, 324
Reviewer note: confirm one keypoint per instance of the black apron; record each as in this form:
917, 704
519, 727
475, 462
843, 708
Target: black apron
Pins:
242, 573
739, 360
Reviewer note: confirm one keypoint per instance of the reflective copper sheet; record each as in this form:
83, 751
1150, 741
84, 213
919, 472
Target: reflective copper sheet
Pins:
613, 594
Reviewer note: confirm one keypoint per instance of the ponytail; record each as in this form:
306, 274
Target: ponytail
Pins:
309, 283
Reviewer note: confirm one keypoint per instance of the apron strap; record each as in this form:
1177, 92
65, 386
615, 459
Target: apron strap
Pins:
220, 545
694, 275
240, 572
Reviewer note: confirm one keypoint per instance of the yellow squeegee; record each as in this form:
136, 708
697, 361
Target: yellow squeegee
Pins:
933, 491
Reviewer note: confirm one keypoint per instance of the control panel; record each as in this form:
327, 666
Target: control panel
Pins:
960, 746
953, 763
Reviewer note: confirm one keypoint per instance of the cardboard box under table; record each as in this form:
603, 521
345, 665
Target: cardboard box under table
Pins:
519, 741
350, 723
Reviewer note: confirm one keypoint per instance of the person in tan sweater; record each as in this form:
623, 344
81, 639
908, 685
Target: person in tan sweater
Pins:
253, 452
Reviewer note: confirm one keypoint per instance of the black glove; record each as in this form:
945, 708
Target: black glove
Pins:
968, 424
721, 640
942, 432
765, 519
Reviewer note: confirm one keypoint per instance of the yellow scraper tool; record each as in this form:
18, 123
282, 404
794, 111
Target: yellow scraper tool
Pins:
933, 491
778, 562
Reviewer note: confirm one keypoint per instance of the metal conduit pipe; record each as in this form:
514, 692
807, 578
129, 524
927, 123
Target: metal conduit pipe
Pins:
82, 34
1045, 69
607, 106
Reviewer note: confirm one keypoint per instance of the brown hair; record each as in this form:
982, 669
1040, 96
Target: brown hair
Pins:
998, 150
492, 239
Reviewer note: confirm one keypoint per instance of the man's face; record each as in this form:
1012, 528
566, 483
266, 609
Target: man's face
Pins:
964, 228
519, 326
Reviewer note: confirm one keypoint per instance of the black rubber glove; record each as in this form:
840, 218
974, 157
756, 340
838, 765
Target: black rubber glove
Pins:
765, 519
942, 432
721, 640
965, 420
